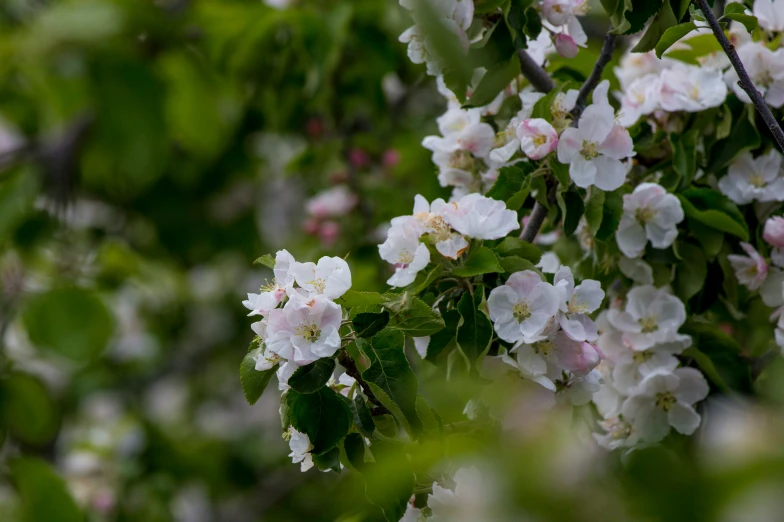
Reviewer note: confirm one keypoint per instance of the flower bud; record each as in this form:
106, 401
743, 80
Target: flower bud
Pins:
773, 232
566, 46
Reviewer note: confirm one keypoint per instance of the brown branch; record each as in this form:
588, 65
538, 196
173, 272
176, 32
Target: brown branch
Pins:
348, 363
534, 73
595, 77
744, 80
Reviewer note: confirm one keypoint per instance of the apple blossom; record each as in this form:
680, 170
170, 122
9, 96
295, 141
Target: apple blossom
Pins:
594, 149
754, 179
773, 232
566, 46
305, 329
336, 201
576, 303
665, 399
330, 277
537, 138
284, 373
263, 303
651, 316
403, 249
479, 217
766, 69
300, 446
649, 214
641, 98
430, 217
468, 501
690, 88
522, 308
751, 269
770, 14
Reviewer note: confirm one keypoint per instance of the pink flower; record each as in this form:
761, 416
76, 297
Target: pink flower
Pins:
566, 46
358, 158
537, 138
773, 232
575, 356
328, 233
390, 158
751, 270
333, 202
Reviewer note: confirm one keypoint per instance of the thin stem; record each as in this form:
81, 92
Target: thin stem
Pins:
348, 363
595, 77
744, 79
534, 73
535, 222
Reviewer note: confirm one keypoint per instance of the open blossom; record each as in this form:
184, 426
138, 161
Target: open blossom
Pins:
773, 234
403, 249
537, 138
471, 499
651, 316
751, 269
462, 129
263, 303
305, 329
576, 303
770, 14
754, 179
522, 308
300, 446
479, 217
766, 70
430, 217
330, 276
595, 148
649, 214
336, 201
690, 88
641, 98
665, 399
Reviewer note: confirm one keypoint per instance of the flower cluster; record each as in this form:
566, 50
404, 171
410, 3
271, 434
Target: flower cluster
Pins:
300, 320
644, 390
447, 226
550, 330
751, 179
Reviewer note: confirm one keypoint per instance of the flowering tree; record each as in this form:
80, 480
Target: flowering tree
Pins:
605, 247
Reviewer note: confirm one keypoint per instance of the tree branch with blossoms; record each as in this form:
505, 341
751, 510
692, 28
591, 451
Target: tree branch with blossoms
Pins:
596, 76
744, 80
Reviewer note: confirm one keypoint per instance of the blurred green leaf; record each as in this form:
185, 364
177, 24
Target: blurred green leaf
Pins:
475, 330
44, 495
27, 409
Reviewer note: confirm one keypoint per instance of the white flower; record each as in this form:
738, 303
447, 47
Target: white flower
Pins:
637, 270
549, 263
336, 201
690, 88
537, 138
305, 329
403, 249
779, 333
300, 446
751, 269
766, 70
641, 98
284, 373
576, 303
462, 129
578, 389
754, 179
651, 317
773, 234
772, 290
618, 433
665, 399
469, 501
479, 217
264, 361
770, 14
636, 65
594, 149
522, 308
649, 214
331, 277
261, 304
449, 243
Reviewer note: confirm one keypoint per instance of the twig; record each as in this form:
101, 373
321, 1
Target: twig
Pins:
534, 73
348, 363
595, 77
537, 217
744, 79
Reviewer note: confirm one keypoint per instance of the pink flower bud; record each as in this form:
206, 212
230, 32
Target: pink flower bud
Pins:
773, 232
566, 46
358, 158
311, 227
575, 356
390, 158
328, 233
537, 138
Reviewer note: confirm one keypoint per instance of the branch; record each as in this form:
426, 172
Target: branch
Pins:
595, 77
744, 80
534, 73
537, 217
348, 363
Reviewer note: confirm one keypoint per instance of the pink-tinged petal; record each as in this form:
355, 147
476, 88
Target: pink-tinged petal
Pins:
569, 145
596, 123
618, 144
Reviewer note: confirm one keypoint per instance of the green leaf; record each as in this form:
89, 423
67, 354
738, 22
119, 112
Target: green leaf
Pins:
573, 208
362, 417
744, 137
514, 246
354, 298
73, 322
412, 316
328, 461
516, 21
26, 409
43, 493
254, 382
369, 324
561, 172
488, 6
495, 80
267, 260
442, 42
672, 35
512, 186
684, 159
514, 264
594, 209
698, 46
475, 330
312, 377
691, 272
711, 208
440, 340
424, 280
730, 370
323, 416
480, 261
709, 238
737, 11
630, 16
656, 29
391, 378
611, 215
429, 420
354, 447
389, 482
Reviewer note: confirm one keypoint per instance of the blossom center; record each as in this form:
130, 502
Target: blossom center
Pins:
544, 347
522, 311
641, 357
590, 150
757, 180
645, 214
618, 428
539, 140
461, 159
318, 285
310, 332
665, 400
405, 257
577, 307
649, 324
